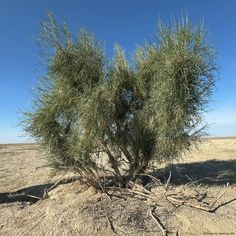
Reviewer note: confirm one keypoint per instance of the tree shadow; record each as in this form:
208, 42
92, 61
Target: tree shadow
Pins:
211, 172
33, 193
29, 194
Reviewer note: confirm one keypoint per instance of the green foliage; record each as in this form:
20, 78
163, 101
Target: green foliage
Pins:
118, 117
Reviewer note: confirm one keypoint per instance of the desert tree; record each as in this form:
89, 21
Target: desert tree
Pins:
116, 117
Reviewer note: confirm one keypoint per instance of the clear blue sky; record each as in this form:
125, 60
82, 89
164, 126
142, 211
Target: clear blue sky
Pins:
127, 22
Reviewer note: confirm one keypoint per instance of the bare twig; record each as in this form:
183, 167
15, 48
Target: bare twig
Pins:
182, 202
140, 187
24, 197
191, 180
208, 209
168, 181
111, 224
219, 196
158, 222
222, 204
60, 181
200, 196
156, 180
195, 181
64, 181
140, 193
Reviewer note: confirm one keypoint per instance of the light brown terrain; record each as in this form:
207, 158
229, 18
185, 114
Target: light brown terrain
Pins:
74, 209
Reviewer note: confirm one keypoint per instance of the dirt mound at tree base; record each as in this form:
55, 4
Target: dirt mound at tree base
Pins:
74, 209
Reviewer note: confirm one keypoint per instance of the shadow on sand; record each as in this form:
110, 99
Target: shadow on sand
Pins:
211, 172
29, 194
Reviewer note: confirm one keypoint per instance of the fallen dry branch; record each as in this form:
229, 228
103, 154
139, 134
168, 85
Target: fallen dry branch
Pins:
220, 195
59, 182
183, 199
182, 202
140, 190
64, 181
158, 222
140, 193
223, 204
22, 197
186, 203
140, 187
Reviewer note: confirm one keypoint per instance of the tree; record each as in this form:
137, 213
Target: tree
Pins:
116, 118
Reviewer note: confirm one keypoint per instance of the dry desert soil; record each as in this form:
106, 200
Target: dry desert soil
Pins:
75, 209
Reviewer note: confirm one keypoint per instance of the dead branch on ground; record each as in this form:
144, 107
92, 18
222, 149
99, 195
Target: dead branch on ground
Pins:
22, 197
158, 222
175, 200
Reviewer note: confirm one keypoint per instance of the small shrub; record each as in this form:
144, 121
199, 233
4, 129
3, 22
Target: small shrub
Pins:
116, 117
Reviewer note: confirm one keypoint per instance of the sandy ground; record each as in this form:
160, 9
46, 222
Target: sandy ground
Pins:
73, 209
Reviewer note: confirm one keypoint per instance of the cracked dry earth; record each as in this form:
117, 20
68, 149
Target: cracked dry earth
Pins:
74, 209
